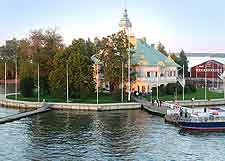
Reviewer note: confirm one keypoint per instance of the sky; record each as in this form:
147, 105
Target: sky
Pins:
191, 25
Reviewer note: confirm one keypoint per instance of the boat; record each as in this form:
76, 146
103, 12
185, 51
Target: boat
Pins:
213, 120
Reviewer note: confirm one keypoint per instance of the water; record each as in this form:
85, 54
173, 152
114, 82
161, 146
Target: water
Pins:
114, 135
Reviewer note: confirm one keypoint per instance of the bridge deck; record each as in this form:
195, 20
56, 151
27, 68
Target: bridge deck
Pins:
11, 118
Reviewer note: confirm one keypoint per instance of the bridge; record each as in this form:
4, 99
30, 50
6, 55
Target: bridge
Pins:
11, 118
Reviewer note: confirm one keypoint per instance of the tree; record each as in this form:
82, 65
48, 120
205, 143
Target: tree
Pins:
161, 48
27, 86
182, 60
27, 76
45, 45
113, 51
78, 57
8, 55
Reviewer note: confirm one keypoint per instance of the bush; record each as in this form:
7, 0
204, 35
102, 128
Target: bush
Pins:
27, 86
162, 90
170, 88
154, 91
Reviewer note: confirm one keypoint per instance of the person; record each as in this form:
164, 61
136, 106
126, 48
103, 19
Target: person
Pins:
157, 102
153, 101
160, 103
181, 112
186, 113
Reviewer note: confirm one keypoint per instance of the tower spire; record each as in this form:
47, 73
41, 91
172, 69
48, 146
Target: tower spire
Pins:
125, 23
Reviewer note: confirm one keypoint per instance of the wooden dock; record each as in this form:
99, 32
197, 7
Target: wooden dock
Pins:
155, 110
11, 118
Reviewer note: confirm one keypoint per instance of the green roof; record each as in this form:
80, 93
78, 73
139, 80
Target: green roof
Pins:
144, 54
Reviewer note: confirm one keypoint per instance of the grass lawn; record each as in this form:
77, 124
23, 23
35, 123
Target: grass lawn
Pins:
103, 98
199, 94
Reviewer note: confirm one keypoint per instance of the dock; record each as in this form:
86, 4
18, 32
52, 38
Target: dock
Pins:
42, 109
153, 109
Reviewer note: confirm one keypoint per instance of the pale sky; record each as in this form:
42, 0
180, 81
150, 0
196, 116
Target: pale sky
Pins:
192, 25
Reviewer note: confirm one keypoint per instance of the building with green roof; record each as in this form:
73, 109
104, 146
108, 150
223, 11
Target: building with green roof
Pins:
152, 68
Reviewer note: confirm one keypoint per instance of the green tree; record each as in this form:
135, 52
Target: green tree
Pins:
45, 45
27, 76
78, 56
113, 51
182, 60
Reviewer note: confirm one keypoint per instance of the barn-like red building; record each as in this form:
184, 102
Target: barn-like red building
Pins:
211, 71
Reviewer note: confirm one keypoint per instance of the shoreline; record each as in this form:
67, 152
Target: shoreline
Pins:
70, 106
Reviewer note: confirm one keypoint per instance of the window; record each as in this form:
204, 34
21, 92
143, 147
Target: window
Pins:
148, 74
156, 74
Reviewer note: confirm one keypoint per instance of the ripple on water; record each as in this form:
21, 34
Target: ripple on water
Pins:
114, 135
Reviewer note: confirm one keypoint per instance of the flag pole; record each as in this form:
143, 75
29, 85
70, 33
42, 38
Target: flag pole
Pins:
122, 84
67, 84
38, 84
16, 80
157, 89
129, 92
205, 81
5, 79
183, 81
97, 82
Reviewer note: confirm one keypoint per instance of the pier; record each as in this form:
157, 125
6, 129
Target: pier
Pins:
42, 109
153, 109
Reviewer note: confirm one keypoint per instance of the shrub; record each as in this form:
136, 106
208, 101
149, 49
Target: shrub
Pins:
170, 88
162, 90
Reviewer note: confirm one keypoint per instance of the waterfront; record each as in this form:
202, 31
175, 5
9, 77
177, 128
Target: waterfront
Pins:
114, 135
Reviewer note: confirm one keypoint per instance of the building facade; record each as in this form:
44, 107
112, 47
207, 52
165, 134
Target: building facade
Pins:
151, 68
211, 71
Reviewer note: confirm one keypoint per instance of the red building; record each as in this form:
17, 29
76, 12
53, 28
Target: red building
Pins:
211, 70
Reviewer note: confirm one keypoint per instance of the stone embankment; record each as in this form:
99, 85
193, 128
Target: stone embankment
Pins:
199, 103
71, 106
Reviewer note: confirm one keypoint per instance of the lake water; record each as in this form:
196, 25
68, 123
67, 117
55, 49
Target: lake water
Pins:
114, 135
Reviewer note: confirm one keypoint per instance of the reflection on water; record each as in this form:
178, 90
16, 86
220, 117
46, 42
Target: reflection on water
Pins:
114, 135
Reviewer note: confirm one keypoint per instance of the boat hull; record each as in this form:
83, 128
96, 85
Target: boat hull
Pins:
203, 126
